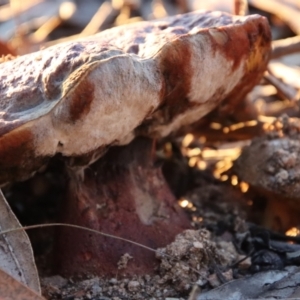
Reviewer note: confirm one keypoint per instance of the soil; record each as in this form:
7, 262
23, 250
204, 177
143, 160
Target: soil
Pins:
220, 247
190, 260
198, 257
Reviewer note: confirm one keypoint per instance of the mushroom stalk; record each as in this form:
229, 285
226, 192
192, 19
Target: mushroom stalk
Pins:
125, 194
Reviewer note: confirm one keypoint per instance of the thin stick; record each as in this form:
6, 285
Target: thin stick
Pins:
104, 16
285, 46
285, 90
282, 9
77, 227
241, 7
96, 232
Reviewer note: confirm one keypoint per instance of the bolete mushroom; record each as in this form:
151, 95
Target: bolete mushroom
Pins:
79, 98
271, 165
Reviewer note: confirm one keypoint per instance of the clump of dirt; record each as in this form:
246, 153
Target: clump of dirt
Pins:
122, 263
216, 206
190, 260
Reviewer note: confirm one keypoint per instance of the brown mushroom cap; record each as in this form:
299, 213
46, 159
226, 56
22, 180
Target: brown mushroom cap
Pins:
149, 78
271, 162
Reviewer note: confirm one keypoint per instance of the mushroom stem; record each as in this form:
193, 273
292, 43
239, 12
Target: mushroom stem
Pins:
125, 194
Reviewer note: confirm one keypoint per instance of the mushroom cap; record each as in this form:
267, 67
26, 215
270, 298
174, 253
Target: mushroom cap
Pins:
271, 162
148, 78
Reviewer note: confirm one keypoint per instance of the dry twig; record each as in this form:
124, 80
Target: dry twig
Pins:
285, 46
285, 90
241, 7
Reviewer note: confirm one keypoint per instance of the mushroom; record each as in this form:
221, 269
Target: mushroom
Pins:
271, 165
120, 88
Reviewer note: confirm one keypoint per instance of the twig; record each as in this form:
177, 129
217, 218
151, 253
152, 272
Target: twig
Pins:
146, 10
241, 7
7, 13
44, 30
105, 16
286, 91
285, 47
95, 232
282, 9
77, 227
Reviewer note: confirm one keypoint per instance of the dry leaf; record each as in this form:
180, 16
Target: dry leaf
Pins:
149, 78
11, 289
16, 256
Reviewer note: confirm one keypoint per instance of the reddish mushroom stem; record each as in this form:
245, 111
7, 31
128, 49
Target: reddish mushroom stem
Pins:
124, 194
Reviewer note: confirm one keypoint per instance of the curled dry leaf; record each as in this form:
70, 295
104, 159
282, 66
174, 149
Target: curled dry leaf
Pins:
16, 256
11, 289
148, 79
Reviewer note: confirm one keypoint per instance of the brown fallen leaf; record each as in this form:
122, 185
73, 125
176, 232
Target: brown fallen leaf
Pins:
11, 289
16, 256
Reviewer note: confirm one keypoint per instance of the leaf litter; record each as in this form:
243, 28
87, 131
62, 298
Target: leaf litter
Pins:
16, 256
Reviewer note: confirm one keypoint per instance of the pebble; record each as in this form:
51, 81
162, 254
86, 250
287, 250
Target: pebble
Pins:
133, 286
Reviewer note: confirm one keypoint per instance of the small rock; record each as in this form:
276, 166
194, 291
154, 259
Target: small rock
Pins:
228, 275
56, 281
54, 284
198, 245
281, 176
113, 281
133, 286
245, 264
213, 280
